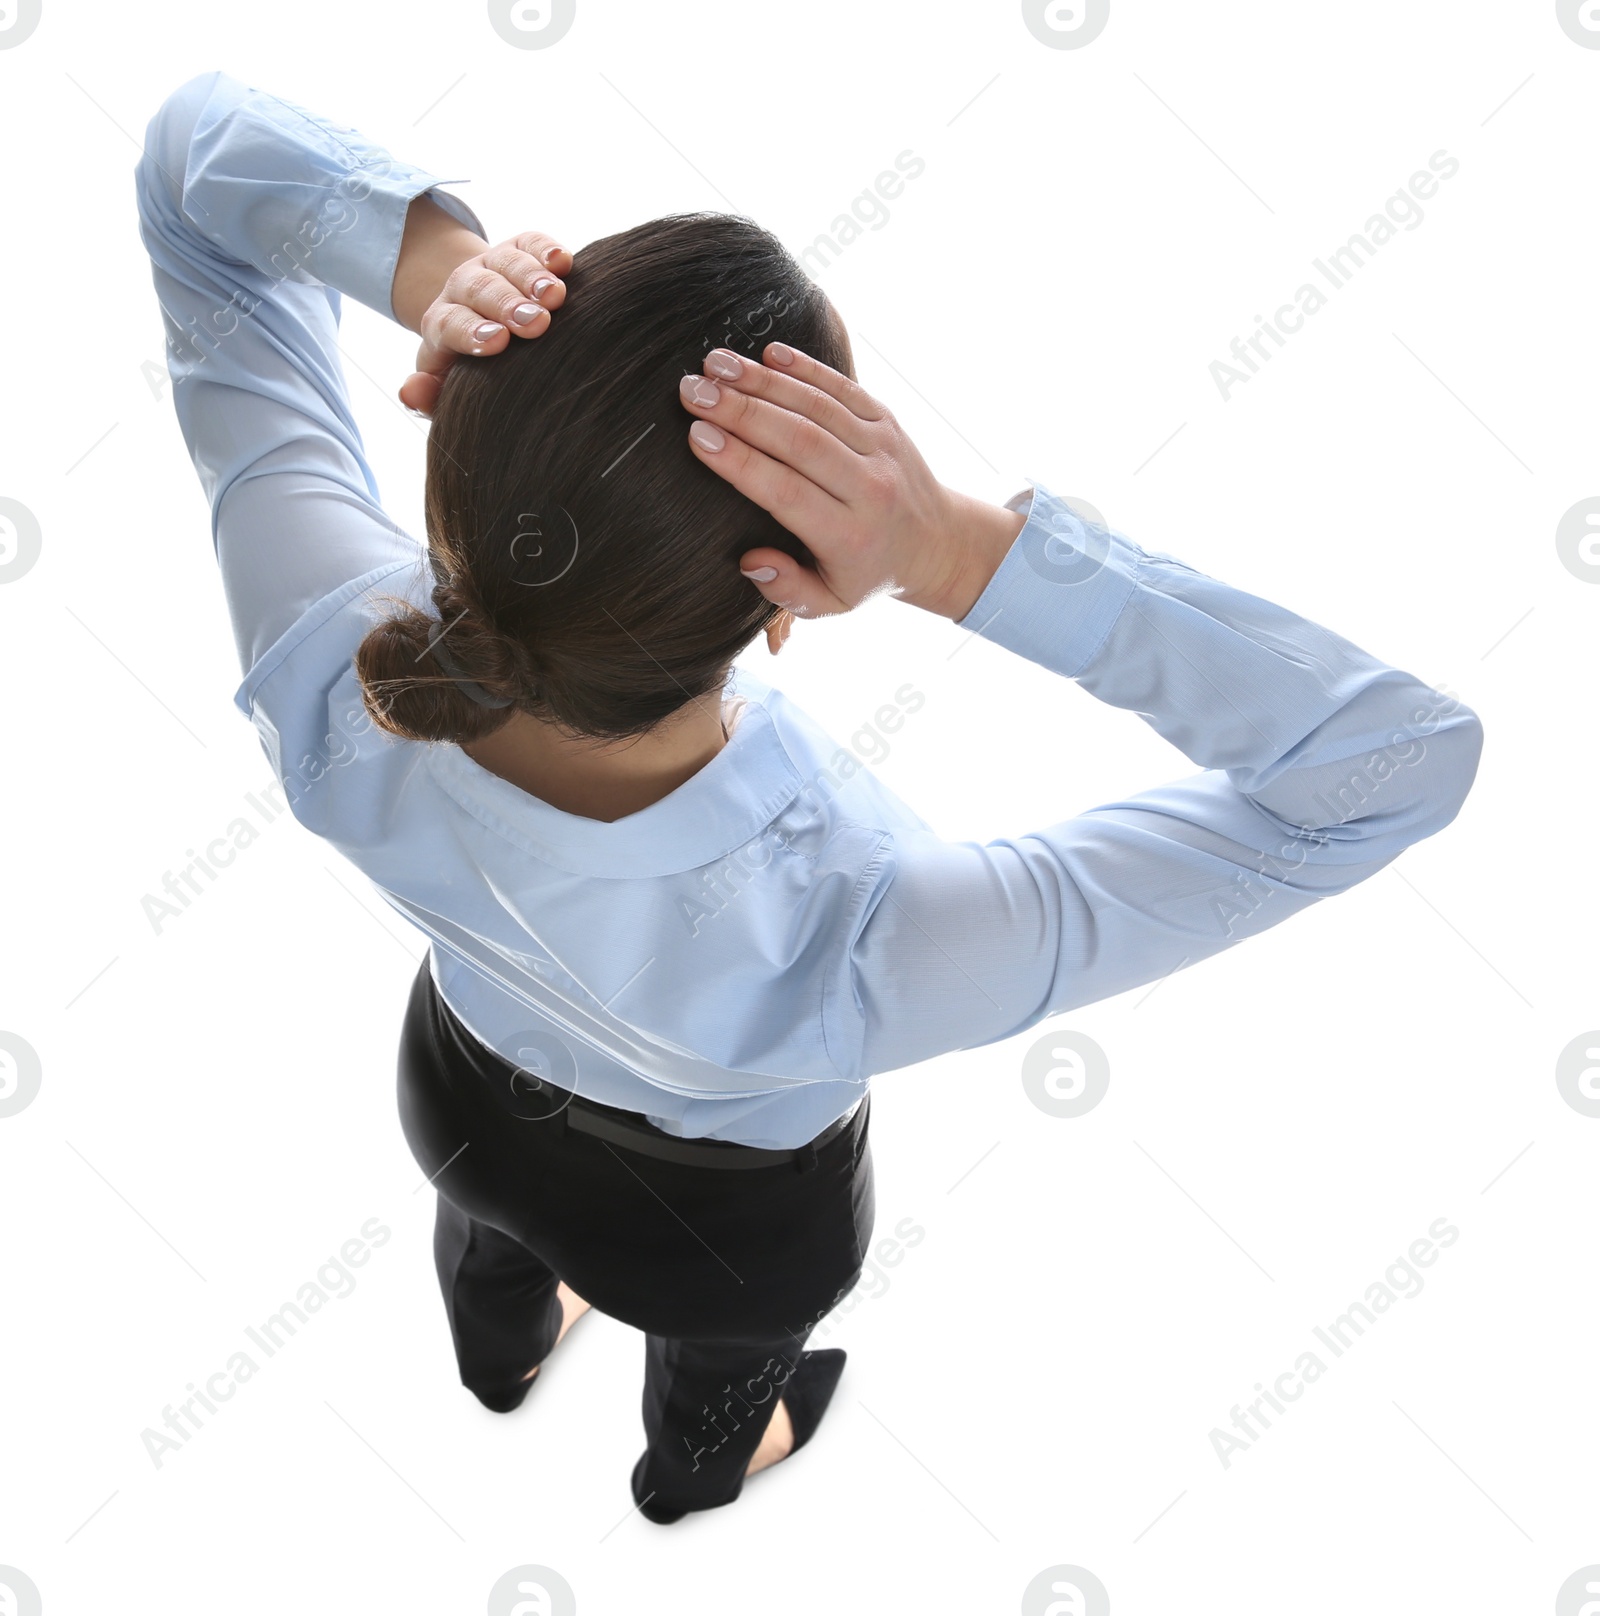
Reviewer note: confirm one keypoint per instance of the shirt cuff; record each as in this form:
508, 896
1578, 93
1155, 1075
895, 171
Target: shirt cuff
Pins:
1061, 586
301, 198
361, 260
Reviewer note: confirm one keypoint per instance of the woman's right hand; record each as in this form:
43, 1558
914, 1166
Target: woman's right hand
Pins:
831, 464
462, 296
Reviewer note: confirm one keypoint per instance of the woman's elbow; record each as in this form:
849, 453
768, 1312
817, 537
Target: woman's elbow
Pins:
1402, 793
1444, 771
160, 171
1459, 768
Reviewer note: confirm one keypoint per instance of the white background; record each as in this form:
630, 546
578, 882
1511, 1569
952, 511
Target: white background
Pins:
1035, 1383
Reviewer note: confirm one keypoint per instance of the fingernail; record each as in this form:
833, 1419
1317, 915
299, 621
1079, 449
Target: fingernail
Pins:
699, 391
552, 253
524, 312
489, 328
724, 364
707, 436
780, 353
759, 575
541, 286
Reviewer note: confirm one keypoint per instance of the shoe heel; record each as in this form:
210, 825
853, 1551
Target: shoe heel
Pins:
810, 1389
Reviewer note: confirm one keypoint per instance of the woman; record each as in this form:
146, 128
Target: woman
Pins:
675, 930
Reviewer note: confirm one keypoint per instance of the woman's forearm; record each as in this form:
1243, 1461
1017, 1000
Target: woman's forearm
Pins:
434, 243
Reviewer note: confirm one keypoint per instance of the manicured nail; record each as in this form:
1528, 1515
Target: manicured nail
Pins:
724, 364
780, 353
760, 575
541, 286
552, 253
489, 328
697, 390
524, 312
707, 436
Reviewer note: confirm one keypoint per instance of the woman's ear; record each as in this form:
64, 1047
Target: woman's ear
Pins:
778, 631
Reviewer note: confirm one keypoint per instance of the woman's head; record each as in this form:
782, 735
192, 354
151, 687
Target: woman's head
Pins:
585, 562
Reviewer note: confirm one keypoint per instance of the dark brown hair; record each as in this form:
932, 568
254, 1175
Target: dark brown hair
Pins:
585, 562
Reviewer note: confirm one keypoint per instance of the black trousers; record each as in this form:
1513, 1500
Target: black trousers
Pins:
726, 1271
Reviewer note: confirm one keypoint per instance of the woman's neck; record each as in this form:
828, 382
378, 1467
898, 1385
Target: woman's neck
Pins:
609, 780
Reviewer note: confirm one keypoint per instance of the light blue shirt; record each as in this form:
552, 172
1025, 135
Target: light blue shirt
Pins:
737, 960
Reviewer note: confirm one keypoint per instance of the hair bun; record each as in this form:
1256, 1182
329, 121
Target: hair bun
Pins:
407, 691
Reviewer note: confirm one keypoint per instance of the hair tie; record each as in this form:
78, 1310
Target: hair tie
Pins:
471, 690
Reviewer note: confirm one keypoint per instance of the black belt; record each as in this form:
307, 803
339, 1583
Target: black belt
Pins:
632, 1132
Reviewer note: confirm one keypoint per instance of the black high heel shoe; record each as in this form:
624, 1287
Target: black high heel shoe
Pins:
507, 1399
806, 1395
810, 1390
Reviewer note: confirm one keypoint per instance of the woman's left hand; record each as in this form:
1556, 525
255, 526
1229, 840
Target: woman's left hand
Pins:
505, 289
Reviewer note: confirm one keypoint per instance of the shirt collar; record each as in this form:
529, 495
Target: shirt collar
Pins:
724, 806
